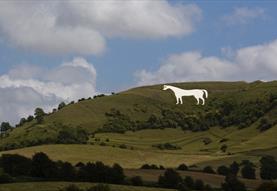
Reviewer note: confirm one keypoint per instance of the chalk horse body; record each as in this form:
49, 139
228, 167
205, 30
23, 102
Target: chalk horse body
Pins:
199, 94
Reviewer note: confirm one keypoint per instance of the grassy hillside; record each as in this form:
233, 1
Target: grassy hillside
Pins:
138, 104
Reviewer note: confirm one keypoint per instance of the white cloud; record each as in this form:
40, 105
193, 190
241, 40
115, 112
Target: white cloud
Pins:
82, 27
39, 87
250, 63
243, 15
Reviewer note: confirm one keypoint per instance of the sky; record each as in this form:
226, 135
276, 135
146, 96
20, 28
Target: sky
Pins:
54, 51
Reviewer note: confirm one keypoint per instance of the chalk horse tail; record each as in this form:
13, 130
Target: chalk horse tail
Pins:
206, 93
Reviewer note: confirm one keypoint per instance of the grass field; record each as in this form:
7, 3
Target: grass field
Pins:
139, 149
55, 186
214, 180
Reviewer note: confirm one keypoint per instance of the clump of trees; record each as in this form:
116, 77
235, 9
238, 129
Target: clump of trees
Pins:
72, 136
152, 166
268, 169
98, 187
172, 179
166, 146
40, 166
4, 127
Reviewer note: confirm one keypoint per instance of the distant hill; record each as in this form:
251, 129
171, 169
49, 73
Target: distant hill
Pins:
230, 104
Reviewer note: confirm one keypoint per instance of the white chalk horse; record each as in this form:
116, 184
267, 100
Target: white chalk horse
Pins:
179, 93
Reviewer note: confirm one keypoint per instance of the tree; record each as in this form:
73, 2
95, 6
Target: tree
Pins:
22, 121
66, 171
43, 167
268, 168
30, 118
16, 165
209, 169
136, 181
5, 126
232, 184
248, 171
39, 114
61, 105
182, 167
5, 178
223, 170
170, 179
198, 184
234, 168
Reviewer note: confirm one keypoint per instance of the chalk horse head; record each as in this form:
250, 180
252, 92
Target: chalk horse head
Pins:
198, 94
165, 87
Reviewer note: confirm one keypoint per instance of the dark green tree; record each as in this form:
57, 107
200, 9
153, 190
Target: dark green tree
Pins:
234, 168
61, 105
43, 167
268, 168
232, 184
5, 126
223, 170
170, 179
248, 171
39, 114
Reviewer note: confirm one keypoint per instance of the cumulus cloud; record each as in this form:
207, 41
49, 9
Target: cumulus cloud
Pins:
243, 15
249, 63
83, 27
40, 87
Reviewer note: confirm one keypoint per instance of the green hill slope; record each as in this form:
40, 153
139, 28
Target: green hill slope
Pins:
137, 105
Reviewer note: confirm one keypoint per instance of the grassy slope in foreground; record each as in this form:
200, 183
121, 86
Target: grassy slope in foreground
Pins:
55, 186
138, 104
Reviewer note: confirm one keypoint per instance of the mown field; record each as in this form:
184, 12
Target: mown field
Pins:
56, 186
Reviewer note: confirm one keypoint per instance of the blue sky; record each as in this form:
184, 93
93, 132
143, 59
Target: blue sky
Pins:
194, 41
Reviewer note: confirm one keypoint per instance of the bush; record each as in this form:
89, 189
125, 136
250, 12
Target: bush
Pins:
234, 168
182, 167
170, 179
209, 169
5, 178
198, 185
232, 184
136, 181
166, 146
223, 148
248, 171
16, 165
207, 141
268, 168
223, 170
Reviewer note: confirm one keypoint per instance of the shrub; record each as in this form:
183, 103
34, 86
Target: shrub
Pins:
170, 179
248, 171
232, 184
136, 181
223, 170
198, 184
268, 168
209, 169
5, 178
182, 167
